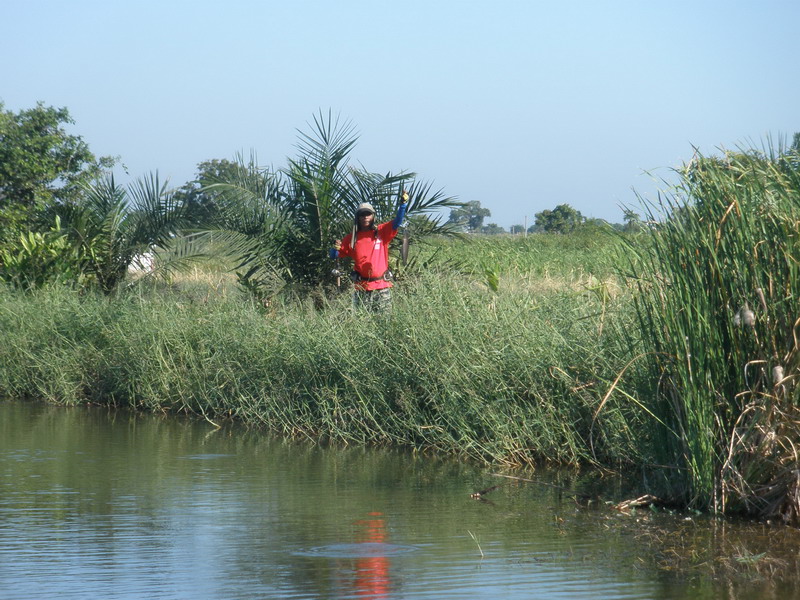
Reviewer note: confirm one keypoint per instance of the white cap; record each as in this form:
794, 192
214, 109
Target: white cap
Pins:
365, 207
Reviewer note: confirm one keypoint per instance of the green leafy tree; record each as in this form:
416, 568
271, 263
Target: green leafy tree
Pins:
562, 219
40, 165
200, 205
492, 229
279, 225
517, 229
469, 216
633, 221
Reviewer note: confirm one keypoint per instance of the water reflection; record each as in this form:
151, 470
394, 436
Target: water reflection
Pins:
97, 503
362, 568
372, 570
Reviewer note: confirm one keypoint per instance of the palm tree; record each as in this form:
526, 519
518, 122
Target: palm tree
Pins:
114, 226
278, 225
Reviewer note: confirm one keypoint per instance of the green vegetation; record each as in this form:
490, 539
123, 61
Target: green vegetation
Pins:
669, 344
562, 219
113, 227
36, 259
40, 164
561, 258
513, 376
274, 226
469, 217
279, 225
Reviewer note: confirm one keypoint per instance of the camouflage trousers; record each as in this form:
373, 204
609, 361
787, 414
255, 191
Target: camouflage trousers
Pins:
373, 300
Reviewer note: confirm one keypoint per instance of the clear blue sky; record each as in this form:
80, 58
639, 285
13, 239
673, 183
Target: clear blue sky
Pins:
519, 104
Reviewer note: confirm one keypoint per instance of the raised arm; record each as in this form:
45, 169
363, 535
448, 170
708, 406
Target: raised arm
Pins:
401, 211
334, 252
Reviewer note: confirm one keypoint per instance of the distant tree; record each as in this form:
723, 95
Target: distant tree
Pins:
516, 229
40, 165
197, 198
593, 224
469, 216
792, 157
492, 229
633, 222
562, 219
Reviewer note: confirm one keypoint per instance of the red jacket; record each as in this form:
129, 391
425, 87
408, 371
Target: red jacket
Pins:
370, 255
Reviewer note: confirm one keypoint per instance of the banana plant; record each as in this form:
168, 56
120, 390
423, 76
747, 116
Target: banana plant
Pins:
40, 258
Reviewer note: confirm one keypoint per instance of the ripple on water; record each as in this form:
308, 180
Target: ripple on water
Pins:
357, 550
206, 456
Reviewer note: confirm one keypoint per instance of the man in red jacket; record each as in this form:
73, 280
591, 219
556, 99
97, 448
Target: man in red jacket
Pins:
368, 246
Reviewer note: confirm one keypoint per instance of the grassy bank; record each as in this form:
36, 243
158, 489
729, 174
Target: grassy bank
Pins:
513, 376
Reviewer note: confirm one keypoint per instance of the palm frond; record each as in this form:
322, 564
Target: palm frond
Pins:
422, 200
330, 141
382, 191
182, 253
111, 225
154, 214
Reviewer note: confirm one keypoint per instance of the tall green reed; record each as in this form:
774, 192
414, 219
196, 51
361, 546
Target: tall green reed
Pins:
718, 307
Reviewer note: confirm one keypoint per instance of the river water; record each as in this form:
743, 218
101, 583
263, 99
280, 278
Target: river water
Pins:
97, 503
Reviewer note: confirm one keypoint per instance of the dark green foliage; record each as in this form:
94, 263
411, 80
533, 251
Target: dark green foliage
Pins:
40, 165
633, 221
199, 203
469, 216
111, 227
492, 229
562, 219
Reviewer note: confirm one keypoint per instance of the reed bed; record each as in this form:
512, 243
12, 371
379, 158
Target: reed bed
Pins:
513, 376
591, 252
718, 306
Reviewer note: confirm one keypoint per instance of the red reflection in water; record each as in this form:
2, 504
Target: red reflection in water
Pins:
372, 572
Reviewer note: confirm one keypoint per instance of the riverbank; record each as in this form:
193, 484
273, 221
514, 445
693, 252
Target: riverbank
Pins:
582, 350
